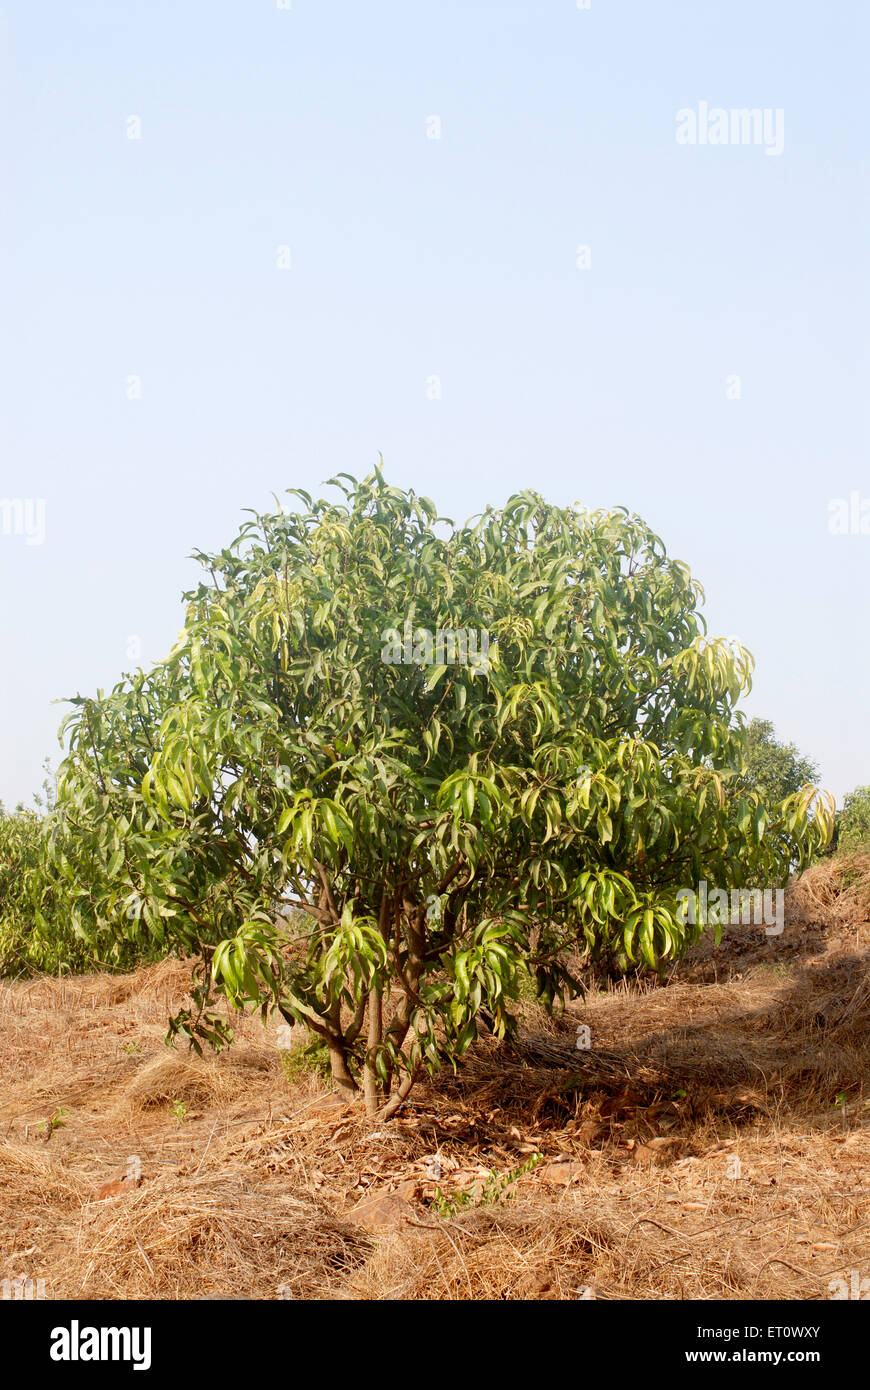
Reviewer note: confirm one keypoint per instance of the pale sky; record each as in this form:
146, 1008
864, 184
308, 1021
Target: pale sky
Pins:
704, 364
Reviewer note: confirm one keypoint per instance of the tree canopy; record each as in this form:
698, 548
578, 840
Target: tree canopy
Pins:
345, 813
775, 769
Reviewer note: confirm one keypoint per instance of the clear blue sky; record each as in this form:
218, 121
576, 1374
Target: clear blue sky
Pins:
411, 258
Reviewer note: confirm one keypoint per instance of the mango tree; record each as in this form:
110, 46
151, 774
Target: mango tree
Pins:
392, 764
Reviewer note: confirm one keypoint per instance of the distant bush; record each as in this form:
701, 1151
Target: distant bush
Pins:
37, 932
33, 935
308, 1057
853, 822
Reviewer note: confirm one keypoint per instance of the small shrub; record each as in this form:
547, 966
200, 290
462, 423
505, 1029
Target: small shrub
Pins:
495, 1189
309, 1058
54, 1121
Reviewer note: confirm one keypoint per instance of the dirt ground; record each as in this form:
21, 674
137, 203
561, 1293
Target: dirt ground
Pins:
711, 1143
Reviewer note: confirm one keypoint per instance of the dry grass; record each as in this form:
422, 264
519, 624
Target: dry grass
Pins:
757, 1053
835, 891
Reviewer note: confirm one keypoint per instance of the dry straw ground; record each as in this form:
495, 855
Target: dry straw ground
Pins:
757, 1052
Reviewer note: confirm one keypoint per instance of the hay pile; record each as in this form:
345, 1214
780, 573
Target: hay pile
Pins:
835, 892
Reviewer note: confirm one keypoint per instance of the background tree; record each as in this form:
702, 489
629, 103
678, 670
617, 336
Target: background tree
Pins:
853, 822
775, 769
36, 933
374, 846
23, 946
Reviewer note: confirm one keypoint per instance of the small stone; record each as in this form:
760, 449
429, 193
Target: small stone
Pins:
560, 1174
381, 1211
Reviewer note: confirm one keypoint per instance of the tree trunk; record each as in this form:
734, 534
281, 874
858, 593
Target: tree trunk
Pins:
340, 1073
400, 1095
373, 1091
